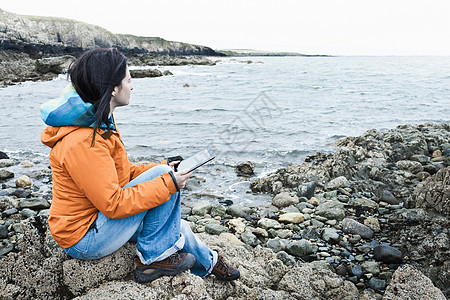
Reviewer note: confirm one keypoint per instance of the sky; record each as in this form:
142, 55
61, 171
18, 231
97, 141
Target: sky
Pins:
333, 27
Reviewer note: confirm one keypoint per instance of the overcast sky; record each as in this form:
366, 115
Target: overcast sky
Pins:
336, 27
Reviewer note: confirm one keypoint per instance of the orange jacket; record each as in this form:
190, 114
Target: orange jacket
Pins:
90, 179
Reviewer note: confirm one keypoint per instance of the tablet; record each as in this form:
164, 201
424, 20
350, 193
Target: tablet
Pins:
196, 160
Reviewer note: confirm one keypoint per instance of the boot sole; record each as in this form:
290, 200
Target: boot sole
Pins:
184, 265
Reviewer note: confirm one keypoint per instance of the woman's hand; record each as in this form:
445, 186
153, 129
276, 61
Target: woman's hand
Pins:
182, 177
174, 164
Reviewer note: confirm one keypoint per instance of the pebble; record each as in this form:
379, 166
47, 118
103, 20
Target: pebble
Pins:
262, 232
377, 284
357, 271
299, 248
6, 163
246, 168
284, 233
268, 223
354, 227
387, 254
287, 259
295, 218
339, 182
275, 244
10, 212
215, 229
218, 210
330, 235
249, 238
202, 208
387, 197
238, 211
371, 267
373, 224
23, 181
27, 213
331, 210
3, 231
5, 174
306, 190
232, 238
314, 201
237, 225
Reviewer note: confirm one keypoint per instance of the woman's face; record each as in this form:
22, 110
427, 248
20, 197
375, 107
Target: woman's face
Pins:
121, 93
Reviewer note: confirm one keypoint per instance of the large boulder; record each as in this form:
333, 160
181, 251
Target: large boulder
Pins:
409, 283
54, 64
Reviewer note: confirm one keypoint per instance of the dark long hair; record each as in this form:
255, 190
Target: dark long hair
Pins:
94, 75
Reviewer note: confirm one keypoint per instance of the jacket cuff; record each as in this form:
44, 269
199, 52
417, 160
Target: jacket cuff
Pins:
174, 180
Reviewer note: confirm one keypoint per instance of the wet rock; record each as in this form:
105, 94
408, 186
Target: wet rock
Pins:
306, 190
34, 203
215, 229
295, 218
143, 73
354, 227
3, 155
311, 234
5, 174
409, 283
387, 254
284, 200
331, 210
299, 248
245, 168
23, 181
21, 193
202, 208
6, 163
410, 166
336, 183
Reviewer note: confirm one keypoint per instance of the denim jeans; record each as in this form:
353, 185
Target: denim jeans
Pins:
158, 232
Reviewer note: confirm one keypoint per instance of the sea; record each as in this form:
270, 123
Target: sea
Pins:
272, 111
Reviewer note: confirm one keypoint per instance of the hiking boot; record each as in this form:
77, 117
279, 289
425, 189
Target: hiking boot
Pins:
224, 271
172, 265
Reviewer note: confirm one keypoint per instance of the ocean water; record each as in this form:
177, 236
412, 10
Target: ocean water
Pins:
273, 112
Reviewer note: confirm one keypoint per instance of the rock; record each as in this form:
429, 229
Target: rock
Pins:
387, 254
3, 155
310, 234
287, 259
330, 235
357, 271
295, 218
5, 174
410, 166
167, 73
331, 210
236, 225
313, 201
336, 183
249, 238
10, 212
34, 203
5, 248
299, 248
434, 193
245, 168
26, 164
54, 64
238, 211
215, 229
217, 210
371, 267
373, 224
6, 163
260, 232
388, 197
268, 223
354, 227
23, 181
284, 199
377, 284
275, 245
3, 231
409, 283
431, 169
423, 159
21, 193
143, 73
306, 190
202, 208
364, 203
231, 238
27, 213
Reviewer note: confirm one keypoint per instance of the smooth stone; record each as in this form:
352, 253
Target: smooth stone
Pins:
324, 254
313, 201
431, 169
354, 227
330, 235
388, 197
339, 182
6, 163
3, 155
287, 259
371, 267
421, 158
10, 212
27, 213
23, 181
274, 244
331, 210
357, 271
306, 189
238, 211
231, 238
307, 210
290, 209
206, 221
21, 193
310, 234
44, 213
295, 218
299, 248
364, 248
317, 224
377, 284
26, 164
260, 232
246, 168
215, 229
284, 199
202, 208
360, 258
284, 233
3, 231
5, 174
341, 270
387, 254
268, 223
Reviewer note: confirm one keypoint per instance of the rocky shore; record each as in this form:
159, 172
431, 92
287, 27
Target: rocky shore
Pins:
39, 48
370, 221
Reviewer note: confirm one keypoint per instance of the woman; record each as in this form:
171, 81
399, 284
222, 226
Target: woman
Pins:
100, 199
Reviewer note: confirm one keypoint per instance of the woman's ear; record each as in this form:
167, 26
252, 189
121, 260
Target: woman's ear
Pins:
115, 91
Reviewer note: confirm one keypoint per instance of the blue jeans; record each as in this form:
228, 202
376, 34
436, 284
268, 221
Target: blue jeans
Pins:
158, 232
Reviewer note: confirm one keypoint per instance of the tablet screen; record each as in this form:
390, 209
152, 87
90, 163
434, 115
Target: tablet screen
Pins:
196, 160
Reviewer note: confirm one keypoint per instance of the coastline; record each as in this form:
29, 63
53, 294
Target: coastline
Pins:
344, 219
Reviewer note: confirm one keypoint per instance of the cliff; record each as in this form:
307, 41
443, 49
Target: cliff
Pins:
24, 39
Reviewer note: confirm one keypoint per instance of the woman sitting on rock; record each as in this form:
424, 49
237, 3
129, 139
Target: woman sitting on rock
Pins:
100, 199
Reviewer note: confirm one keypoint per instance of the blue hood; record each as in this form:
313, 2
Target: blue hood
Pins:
69, 110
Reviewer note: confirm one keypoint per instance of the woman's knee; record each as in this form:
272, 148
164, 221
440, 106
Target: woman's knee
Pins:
161, 169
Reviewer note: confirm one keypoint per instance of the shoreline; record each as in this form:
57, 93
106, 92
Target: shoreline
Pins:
348, 216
